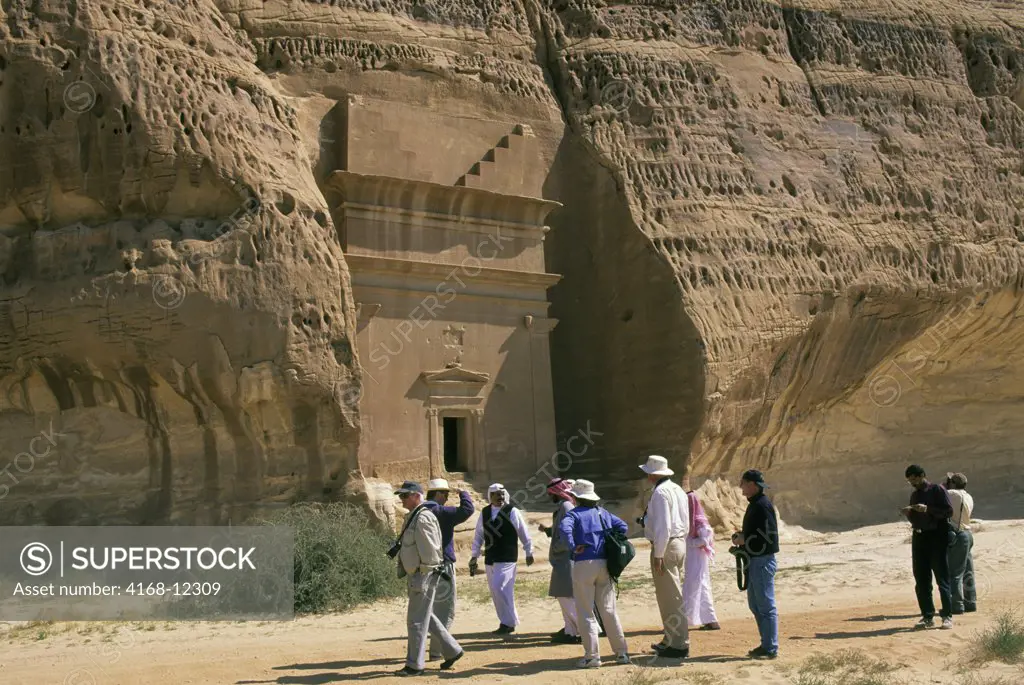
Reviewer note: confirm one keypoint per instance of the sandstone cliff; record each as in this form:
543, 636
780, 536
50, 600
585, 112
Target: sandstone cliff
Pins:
790, 238
174, 312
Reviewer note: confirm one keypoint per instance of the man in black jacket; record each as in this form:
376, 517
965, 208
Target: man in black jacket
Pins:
929, 513
760, 541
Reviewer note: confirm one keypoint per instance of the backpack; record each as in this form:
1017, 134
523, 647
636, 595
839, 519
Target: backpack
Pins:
619, 549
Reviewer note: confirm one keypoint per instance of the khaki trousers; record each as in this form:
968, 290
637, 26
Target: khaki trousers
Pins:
444, 608
421, 622
668, 588
591, 584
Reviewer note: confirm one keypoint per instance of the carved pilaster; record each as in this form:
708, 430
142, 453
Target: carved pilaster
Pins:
434, 450
476, 459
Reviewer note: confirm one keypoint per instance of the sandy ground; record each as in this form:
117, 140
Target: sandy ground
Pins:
836, 592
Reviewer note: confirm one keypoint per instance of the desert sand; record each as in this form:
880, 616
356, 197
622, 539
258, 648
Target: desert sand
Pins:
836, 591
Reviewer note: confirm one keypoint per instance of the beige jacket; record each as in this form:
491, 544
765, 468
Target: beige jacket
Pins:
421, 543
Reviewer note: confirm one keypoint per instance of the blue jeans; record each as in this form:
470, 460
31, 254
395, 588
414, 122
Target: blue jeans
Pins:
961, 572
761, 600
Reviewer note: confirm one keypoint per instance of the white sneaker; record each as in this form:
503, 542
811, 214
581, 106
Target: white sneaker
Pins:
623, 659
947, 623
589, 663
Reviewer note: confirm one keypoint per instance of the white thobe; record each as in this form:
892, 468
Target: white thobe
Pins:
501, 576
697, 598
568, 605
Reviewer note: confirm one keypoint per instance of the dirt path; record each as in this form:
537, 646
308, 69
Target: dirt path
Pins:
835, 592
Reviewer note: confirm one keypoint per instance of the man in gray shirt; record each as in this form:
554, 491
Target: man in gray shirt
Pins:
420, 560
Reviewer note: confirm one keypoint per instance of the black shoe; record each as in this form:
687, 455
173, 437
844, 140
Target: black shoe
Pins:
560, 633
564, 639
409, 670
448, 663
658, 646
674, 653
503, 630
970, 608
957, 612
710, 626
762, 653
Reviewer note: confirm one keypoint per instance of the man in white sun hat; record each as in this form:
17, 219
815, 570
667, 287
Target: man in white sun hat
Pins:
447, 517
499, 530
666, 523
583, 530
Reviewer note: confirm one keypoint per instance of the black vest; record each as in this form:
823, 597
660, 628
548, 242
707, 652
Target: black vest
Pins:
501, 541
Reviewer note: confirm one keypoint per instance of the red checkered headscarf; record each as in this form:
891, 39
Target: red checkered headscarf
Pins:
560, 487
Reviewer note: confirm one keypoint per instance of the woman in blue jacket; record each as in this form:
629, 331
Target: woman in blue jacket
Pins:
583, 530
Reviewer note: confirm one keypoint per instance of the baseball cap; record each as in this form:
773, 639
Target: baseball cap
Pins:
409, 486
754, 476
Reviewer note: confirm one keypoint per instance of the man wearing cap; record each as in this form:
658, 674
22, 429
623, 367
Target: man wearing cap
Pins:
420, 560
961, 562
502, 528
760, 540
560, 556
666, 522
583, 529
447, 518
929, 513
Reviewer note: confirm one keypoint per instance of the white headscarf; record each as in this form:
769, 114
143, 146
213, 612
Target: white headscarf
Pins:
498, 487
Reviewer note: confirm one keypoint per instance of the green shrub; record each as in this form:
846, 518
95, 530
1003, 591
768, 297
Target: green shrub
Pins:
846, 667
340, 559
1002, 642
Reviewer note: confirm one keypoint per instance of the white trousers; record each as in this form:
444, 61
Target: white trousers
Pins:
591, 584
568, 605
501, 579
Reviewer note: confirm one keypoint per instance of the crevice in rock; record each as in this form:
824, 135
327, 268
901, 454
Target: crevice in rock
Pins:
789, 18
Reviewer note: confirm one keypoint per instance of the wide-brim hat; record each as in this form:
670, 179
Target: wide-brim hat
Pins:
656, 466
437, 484
584, 489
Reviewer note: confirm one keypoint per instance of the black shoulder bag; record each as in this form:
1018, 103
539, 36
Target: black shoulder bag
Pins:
618, 549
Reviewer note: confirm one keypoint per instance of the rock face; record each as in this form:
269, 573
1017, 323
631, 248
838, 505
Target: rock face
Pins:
790, 239
174, 312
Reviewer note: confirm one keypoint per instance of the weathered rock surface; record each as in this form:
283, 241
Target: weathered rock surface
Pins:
174, 304
822, 191
766, 211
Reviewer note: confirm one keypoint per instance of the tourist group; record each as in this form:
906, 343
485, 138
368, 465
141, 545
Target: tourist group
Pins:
586, 555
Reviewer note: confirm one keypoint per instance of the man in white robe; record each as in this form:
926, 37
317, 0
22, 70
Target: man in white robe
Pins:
700, 554
499, 530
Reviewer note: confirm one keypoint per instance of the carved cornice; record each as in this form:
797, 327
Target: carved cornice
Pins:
447, 203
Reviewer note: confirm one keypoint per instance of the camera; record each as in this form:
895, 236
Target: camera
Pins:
393, 552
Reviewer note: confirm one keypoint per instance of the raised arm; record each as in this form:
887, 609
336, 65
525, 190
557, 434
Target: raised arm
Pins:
465, 509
